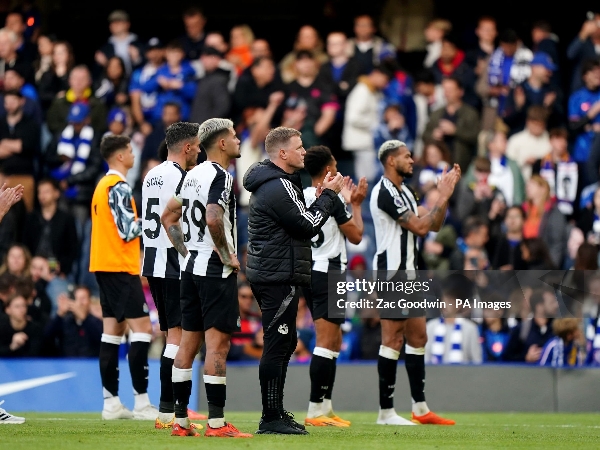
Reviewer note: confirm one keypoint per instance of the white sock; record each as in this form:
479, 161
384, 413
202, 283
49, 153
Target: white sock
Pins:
141, 401
216, 423
165, 417
112, 403
314, 410
327, 407
420, 408
182, 422
386, 413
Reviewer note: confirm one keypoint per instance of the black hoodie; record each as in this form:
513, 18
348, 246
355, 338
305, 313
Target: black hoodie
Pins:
280, 226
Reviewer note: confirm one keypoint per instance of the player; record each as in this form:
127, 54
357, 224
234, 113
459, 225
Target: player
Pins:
209, 302
398, 223
115, 259
328, 254
162, 263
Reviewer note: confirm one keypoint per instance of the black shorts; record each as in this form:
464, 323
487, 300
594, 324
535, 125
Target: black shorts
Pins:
121, 295
393, 297
165, 292
317, 297
209, 302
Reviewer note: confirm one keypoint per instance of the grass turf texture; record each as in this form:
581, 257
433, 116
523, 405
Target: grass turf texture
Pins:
482, 431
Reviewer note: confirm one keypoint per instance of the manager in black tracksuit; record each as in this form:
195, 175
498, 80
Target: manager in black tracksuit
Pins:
280, 228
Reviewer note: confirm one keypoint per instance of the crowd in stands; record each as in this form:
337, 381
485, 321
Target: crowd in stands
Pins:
529, 150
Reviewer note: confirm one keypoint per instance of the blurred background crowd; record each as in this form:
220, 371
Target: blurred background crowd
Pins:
519, 111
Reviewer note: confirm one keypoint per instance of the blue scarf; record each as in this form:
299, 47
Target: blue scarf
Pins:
76, 151
438, 347
593, 342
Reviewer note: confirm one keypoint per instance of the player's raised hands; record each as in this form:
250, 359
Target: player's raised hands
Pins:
9, 196
347, 189
335, 183
447, 181
359, 192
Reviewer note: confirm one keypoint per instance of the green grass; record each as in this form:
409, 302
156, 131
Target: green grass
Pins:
482, 431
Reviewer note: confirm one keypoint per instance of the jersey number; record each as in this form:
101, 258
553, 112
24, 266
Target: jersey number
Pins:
199, 223
152, 217
318, 240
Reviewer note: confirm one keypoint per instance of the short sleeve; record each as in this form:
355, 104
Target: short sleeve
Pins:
392, 204
220, 189
134, 84
340, 211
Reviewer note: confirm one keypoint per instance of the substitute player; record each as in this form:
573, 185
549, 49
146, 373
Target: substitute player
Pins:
209, 302
398, 222
115, 259
161, 265
328, 254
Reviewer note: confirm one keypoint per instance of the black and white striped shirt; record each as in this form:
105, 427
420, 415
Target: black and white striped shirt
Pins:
397, 247
207, 183
161, 260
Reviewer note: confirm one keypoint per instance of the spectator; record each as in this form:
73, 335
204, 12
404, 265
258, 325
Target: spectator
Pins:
171, 113
50, 232
486, 33
17, 261
370, 50
118, 120
245, 343
494, 332
399, 92
32, 18
121, 43
529, 337
392, 127
74, 332
254, 90
193, 39
113, 87
543, 220
26, 49
457, 124
217, 41
563, 350
435, 31
535, 254
239, 54
321, 103
561, 173
9, 57
531, 144
176, 79
41, 278
80, 90
507, 251
19, 146
453, 339
54, 82
584, 114
428, 97
260, 48
507, 67
143, 89
452, 63
74, 160
307, 40
544, 40
43, 62
536, 90
7, 289
361, 118
438, 246
19, 336
14, 81
212, 98
435, 159
470, 252
584, 46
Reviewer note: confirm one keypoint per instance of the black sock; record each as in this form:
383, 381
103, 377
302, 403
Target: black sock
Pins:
166, 385
331, 379
182, 389
109, 367
215, 395
270, 387
320, 376
386, 368
138, 366
415, 368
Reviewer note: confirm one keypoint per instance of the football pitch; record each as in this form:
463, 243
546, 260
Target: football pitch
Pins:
50, 431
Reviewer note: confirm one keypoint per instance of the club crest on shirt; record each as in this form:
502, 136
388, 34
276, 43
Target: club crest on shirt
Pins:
398, 202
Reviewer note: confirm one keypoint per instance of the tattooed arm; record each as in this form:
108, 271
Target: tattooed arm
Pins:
170, 220
214, 222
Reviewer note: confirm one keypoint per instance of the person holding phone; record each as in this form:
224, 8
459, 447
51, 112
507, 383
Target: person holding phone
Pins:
586, 45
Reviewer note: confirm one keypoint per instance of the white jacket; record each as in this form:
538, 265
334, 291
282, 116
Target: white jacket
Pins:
360, 118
